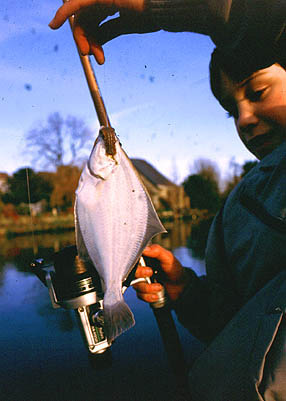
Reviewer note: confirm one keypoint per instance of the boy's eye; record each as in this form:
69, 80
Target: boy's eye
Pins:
255, 95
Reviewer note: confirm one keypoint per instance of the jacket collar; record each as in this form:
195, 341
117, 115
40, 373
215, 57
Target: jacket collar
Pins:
274, 158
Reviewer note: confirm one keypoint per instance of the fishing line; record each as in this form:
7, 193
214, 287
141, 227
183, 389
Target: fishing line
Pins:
30, 211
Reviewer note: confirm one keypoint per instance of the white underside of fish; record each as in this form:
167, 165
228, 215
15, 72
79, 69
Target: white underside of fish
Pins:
115, 219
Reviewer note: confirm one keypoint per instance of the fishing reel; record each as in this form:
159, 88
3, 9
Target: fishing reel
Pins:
74, 284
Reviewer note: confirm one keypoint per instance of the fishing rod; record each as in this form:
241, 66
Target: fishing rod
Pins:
162, 310
92, 85
85, 293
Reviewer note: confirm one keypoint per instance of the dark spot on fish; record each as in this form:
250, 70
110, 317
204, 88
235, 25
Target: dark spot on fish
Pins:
56, 48
151, 79
133, 190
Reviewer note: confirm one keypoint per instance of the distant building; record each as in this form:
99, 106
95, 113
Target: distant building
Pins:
4, 182
165, 194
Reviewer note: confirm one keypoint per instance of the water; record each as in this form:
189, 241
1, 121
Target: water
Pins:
42, 353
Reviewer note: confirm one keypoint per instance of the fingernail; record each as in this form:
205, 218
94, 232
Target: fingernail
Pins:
51, 25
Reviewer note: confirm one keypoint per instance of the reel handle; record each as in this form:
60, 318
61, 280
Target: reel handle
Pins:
155, 265
156, 278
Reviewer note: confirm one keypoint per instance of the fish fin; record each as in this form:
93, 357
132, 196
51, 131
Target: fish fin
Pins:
117, 319
154, 225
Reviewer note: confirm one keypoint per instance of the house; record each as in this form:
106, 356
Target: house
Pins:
3, 182
165, 195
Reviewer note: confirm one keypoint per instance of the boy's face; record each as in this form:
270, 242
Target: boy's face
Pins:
258, 106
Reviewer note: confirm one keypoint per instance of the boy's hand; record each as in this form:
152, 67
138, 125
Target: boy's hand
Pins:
175, 278
89, 32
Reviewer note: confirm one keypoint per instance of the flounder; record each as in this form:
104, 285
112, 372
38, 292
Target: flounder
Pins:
115, 219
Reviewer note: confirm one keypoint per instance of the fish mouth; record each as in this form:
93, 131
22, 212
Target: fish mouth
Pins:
261, 144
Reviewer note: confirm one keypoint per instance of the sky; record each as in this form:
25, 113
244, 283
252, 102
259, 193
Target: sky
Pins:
155, 88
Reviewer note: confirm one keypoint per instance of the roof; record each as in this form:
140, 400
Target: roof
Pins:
3, 175
150, 172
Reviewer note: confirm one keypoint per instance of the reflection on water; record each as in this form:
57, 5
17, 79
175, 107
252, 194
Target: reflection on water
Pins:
42, 353
23, 249
177, 234
198, 240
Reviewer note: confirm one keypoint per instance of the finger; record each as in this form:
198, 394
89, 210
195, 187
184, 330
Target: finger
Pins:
145, 288
63, 13
71, 7
160, 253
97, 52
169, 264
143, 271
87, 46
81, 40
148, 297
147, 292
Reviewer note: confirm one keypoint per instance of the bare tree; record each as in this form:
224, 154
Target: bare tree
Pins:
237, 172
207, 169
174, 172
58, 142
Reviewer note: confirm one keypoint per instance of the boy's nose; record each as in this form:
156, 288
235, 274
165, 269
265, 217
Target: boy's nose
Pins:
247, 118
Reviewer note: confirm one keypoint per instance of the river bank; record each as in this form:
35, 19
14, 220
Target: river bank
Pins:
26, 225
48, 223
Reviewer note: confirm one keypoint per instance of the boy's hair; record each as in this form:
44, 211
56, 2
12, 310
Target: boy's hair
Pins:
237, 68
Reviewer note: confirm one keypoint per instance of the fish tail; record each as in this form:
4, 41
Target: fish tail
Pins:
117, 319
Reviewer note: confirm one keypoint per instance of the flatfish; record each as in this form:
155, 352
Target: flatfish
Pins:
115, 219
